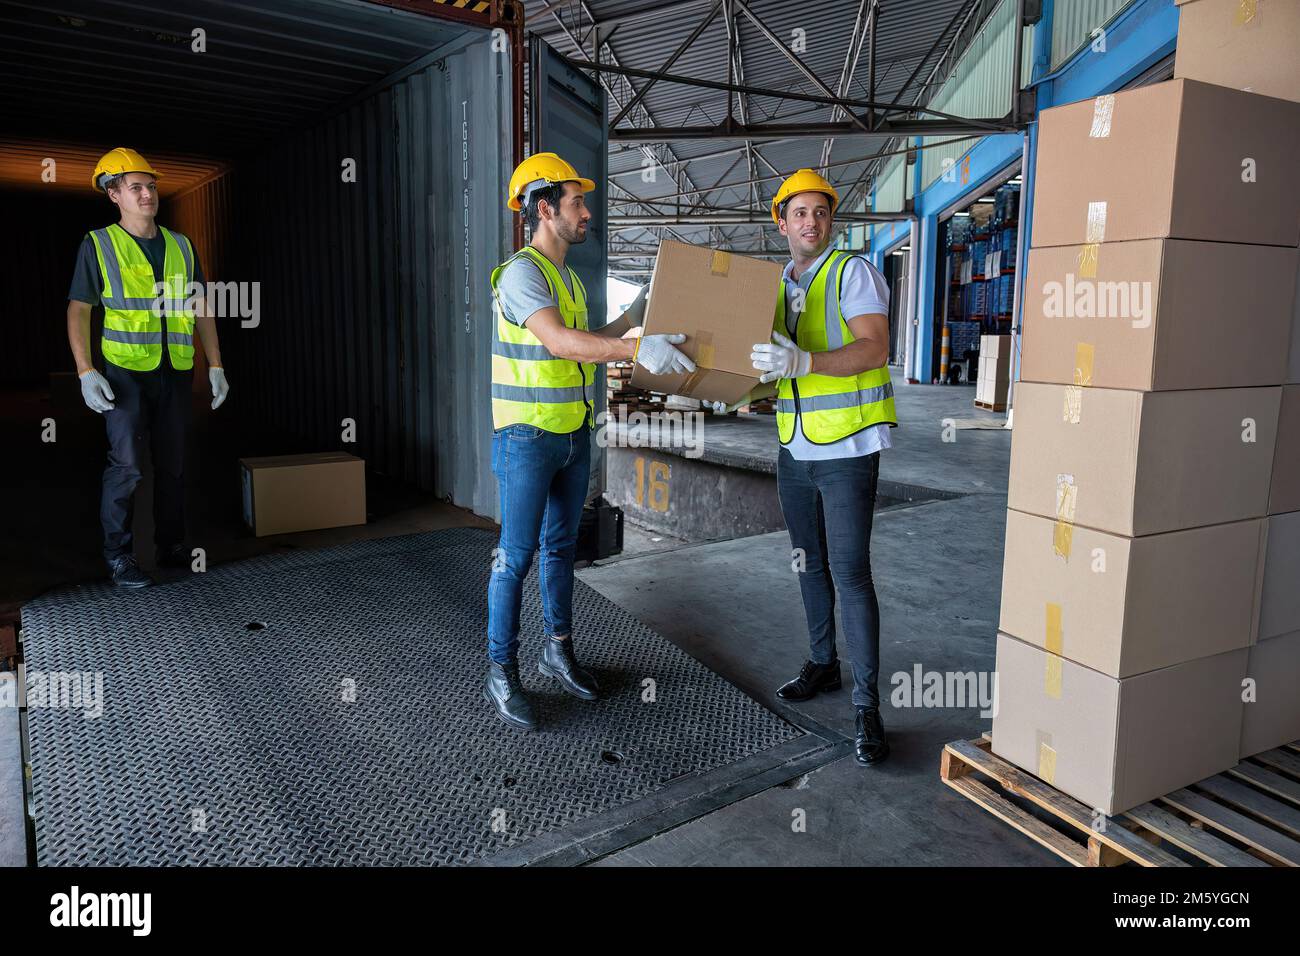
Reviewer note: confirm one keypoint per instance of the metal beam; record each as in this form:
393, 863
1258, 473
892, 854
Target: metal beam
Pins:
663, 70
763, 131
733, 219
849, 68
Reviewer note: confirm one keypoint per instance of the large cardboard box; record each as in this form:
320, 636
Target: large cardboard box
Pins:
1251, 45
285, 493
1272, 718
724, 303
1114, 744
1137, 463
1181, 159
1159, 314
1284, 493
1125, 606
1278, 604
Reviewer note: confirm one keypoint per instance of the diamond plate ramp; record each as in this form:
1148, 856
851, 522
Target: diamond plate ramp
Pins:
220, 744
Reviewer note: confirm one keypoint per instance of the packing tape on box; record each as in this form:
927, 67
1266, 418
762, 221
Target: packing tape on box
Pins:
704, 353
1103, 108
1052, 676
1046, 757
1073, 408
1088, 260
1247, 12
1096, 222
1084, 352
1063, 531
1053, 638
721, 263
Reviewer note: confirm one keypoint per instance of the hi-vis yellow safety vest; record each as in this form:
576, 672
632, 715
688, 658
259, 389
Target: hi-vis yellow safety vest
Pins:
530, 386
829, 407
133, 329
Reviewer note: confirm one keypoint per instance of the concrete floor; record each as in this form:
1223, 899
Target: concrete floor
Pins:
733, 604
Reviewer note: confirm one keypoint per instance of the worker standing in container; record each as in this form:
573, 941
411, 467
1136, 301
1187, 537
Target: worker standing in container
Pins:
543, 412
142, 274
835, 407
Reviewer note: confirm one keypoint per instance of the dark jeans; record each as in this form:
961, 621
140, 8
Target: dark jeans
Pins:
542, 477
153, 405
828, 507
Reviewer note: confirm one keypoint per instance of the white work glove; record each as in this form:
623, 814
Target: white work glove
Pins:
96, 392
782, 360
722, 408
217, 376
636, 311
655, 353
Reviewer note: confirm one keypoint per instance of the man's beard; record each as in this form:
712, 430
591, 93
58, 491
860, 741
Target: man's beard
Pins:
573, 235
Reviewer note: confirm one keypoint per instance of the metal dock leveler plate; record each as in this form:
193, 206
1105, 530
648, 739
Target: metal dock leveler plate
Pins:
324, 707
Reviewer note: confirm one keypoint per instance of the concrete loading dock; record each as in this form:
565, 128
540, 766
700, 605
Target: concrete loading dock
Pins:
374, 311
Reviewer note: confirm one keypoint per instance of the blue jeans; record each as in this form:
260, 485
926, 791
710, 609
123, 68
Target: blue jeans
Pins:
828, 507
542, 477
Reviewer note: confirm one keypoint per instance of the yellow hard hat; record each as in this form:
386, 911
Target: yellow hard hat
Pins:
121, 160
803, 181
545, 166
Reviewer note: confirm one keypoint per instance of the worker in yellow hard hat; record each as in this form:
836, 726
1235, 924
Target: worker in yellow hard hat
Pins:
835, 407
145, 278
544, 357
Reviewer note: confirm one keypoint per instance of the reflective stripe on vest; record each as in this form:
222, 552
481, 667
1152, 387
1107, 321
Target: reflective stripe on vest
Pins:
530, 386
828, 407
133, 329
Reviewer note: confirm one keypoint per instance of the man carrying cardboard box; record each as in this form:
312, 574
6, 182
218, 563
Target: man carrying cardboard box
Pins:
543, 413
835, 406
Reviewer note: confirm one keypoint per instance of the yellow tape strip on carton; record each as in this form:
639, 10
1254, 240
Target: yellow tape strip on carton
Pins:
1245, 13
721, 263
1063, 530
703, 360
1046, 757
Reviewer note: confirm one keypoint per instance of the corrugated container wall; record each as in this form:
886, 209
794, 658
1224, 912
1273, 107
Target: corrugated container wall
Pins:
978, 87
889, 191
1073, 22
375, 304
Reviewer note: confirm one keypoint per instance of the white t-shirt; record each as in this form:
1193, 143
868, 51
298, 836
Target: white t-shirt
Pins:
863, 291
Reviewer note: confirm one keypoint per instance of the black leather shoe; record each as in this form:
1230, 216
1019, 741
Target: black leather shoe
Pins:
558, 661
813, 677
504, 691
870, 745
127, 574
177, 556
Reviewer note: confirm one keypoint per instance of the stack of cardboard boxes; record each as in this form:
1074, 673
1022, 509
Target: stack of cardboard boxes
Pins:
1153, 530
994, 378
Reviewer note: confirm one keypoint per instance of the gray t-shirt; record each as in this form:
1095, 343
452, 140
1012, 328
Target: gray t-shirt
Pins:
522, 289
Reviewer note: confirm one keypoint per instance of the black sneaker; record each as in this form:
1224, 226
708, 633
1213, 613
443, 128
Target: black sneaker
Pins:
869, 744
127, 574
813, 677
176, 556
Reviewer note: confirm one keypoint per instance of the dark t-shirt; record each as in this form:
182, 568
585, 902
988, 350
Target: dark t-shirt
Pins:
88, 282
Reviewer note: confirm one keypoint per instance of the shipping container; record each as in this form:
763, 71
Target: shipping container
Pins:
344, 163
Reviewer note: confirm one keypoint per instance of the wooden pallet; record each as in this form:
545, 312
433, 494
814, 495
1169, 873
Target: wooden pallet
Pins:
991, 406
1247, 816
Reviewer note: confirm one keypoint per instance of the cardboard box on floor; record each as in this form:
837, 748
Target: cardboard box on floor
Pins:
1181, 159
1124, 606
1156, 314
1273, 717
1251, 45
284, 493
723, 303
1114, 744
1278, 603
1137, 463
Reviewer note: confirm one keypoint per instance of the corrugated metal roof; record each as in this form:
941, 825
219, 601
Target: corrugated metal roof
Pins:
906, 31
84, 74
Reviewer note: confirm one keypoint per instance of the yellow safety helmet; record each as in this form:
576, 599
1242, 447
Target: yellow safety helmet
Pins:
545, 166
803, 181
121, 160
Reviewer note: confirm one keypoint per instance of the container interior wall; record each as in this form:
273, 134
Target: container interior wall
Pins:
373, 301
